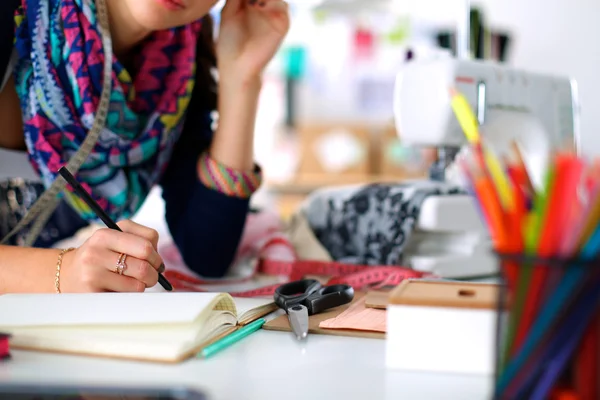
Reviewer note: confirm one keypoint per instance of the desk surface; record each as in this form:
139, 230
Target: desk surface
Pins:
265, 366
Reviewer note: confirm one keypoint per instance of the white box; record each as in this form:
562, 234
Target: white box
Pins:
442, 326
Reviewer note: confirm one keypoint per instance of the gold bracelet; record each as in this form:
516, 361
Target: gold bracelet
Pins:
58, 265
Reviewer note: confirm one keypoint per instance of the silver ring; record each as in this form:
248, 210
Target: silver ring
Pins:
121, 266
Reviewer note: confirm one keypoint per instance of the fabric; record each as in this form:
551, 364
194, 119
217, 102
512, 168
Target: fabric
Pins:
227, 180
370, 225
59, 81
303, 239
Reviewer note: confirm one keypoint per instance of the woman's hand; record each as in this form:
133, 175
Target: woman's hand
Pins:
250, 35
91, 268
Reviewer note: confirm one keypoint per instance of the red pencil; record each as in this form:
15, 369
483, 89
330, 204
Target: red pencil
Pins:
516, 218
568, 170
586, 364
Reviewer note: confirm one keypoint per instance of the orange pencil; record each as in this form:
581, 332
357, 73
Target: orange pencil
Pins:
488, 197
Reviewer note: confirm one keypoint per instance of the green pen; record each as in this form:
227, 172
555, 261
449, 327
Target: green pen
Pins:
231, 339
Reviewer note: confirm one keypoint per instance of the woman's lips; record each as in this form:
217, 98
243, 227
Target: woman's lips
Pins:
172, 4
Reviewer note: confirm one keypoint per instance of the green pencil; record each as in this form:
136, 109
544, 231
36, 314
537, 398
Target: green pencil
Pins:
231, 339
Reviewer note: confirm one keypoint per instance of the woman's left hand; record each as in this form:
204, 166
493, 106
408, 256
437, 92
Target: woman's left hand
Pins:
250, 35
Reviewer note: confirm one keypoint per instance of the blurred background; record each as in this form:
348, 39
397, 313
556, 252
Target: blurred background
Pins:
326, 117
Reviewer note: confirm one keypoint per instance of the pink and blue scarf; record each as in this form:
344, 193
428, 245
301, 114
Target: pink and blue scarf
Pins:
59, 82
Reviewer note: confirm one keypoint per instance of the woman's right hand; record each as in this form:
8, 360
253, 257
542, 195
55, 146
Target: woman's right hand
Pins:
92, 267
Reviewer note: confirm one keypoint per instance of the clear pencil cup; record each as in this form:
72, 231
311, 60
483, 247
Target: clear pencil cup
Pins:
548, 329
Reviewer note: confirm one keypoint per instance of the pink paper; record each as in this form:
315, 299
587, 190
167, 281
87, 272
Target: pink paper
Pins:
358, 317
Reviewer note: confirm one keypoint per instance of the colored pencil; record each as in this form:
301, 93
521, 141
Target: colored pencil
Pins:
552, 339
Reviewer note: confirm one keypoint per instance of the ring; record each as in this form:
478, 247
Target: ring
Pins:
121, 266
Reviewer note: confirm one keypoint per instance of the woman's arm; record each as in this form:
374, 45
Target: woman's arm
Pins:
233, 144
89, 268
210, 179
27, 270
206, 224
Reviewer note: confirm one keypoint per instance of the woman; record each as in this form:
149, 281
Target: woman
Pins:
158, 130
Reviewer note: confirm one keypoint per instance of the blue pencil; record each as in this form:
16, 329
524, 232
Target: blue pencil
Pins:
581, 316
573, 279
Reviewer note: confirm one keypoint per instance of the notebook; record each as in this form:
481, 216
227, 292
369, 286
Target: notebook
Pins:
161, 327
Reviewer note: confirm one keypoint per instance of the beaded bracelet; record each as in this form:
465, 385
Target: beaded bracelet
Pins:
229, 181
58, 265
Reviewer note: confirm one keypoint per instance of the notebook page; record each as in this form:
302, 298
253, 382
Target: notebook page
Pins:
358, 317
151, 342
247, 307
24, 310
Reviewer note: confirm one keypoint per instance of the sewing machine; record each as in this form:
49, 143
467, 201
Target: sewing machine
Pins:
539, 111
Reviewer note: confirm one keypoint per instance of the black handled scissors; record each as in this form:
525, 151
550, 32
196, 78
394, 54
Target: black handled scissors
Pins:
308, 297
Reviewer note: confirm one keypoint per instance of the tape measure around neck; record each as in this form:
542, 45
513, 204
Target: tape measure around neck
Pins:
45, 206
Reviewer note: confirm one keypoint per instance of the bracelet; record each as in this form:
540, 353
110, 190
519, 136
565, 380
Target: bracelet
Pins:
229, 181
58, 265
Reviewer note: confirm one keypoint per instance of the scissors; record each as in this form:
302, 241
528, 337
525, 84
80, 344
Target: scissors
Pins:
308, 297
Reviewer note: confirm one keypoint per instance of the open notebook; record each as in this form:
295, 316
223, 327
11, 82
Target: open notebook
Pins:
162, 327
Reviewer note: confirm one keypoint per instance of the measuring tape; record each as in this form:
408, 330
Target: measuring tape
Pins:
43, 208
360, 277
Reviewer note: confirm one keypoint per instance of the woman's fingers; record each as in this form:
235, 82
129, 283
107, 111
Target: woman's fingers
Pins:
121, 283
140, 270
140, 230
231, 7
127, 243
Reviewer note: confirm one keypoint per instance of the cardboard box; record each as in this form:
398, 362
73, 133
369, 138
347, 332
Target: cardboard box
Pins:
334, 150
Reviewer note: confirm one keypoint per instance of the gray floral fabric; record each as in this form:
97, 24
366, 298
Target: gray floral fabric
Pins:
370, 225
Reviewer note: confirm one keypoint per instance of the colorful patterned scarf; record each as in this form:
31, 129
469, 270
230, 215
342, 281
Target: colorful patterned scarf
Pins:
59, 82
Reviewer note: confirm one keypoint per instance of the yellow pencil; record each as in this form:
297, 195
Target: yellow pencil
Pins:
466, 117
470, 126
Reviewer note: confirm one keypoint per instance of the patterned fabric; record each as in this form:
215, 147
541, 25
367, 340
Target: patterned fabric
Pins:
370, 225
16, 198
59, 81
229, 181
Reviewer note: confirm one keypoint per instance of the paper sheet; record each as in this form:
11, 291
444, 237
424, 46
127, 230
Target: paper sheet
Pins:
358, 317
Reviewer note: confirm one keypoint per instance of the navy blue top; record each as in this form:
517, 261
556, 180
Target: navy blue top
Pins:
206, 225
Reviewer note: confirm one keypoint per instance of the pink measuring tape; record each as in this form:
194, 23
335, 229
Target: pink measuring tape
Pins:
360, 277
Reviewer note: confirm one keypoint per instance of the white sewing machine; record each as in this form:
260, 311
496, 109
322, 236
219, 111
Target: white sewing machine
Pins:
539, 111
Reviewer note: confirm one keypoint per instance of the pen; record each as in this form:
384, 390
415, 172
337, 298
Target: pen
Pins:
103, 216
231, 339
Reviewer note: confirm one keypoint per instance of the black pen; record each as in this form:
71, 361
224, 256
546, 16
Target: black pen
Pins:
103, 216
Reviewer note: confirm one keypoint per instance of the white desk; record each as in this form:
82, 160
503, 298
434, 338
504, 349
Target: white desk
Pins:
265, 366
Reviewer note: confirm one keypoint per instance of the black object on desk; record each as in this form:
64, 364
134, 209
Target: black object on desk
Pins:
103, 216
52, 392
307, 297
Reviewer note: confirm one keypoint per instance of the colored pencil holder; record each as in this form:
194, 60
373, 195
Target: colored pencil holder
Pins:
548, 328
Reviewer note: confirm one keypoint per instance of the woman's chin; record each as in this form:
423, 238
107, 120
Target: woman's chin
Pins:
165, 14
